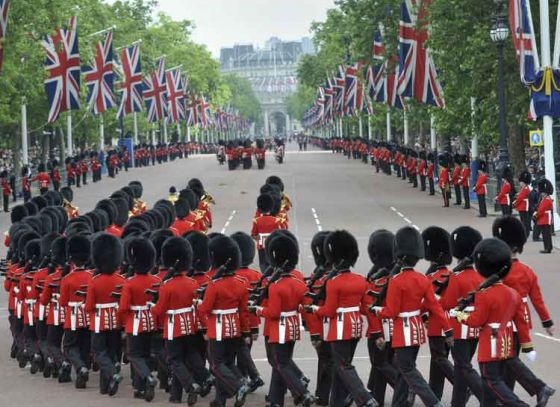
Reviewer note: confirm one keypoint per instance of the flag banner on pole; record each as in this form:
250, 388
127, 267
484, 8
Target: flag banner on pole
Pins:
63, 67
192, 119
203, 113
155, 93
328, 111
351, 86
99, 77
130, 87
417, 73
175, 96
4, 8
339, 84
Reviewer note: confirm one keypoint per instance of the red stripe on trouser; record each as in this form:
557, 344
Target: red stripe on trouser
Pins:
216, 372
490, 385
277, 363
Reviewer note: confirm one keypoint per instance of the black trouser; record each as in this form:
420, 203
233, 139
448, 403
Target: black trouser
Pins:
446, 194
383, 370
495, 388
78, 180
245, 362
404, 173
414, 181
138, 350
284, 376
14, 195
518, 371
30, 340
221, 355
111, 171
431, 186
41, 332
482, 205
546, 231
160, 355
440, 366
69, 181
465, 375
56, 185
263, 261
77, 347
180, 353
6, 203
13, 329
467, 197
54, 342
346, 381
422, 182
526, 220
26, 196
398, 171
506, 210
457, 194
405, 359
84, 178
106, 347
18, 333
324, 373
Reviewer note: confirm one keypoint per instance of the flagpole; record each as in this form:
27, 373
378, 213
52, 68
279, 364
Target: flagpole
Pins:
164, 131
101, 133
361, 125
388, 124
369, 129
135, 117
69, 144
102, 31
24, 132
406, 135
178, 131
548, 139
433, 136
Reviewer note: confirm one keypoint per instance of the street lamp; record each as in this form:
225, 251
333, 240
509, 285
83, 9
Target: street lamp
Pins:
499, 33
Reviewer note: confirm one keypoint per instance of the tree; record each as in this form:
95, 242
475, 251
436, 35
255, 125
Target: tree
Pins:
243, 98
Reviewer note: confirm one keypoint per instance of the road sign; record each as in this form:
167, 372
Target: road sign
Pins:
536, 138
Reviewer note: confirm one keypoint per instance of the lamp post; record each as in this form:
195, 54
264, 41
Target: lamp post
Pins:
499, 33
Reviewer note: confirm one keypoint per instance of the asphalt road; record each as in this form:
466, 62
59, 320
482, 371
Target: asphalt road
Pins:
328, 192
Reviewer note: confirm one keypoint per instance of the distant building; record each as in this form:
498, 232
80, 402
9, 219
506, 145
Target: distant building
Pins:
272, 72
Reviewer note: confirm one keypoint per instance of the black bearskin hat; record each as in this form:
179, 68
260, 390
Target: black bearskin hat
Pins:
62, 216
265, 203
172, 190
122, 211
78, 249
46, 243
54, 197
141, 254
381, 247
437, 248
223, 249
275, 180
341, 246
511, 231
127, 196
283, 251
492, 256
41, 167
158, 237
190, 196
182, 208
32, 208
463, 241
18, 213
201, 252
544, 186
482, 165
58, 250
139, 188
443, 160
525, 177
176, 252
409, 246
40, 201
33, 252
67, 193
318, 248
97, 222
108, 206
247, 247
107, 253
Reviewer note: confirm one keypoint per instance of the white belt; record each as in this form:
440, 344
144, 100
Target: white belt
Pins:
494, 339
171, 319
138, 309
326, 325
469, 309
41, 312
282, 325
30, 305
219, 313
56, 309
74, 305
409, 314
386, 329
340, 320
465, 328
98, 308
524, 299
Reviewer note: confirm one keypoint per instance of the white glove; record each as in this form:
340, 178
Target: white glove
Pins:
314, 308
532, 356
453, 312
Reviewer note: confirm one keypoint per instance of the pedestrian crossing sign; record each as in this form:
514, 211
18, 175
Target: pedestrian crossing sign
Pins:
536, 138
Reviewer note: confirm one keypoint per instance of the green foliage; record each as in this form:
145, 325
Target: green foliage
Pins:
243, 98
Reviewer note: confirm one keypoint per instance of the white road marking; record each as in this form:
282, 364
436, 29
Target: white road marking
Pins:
228, 221
404, 217
400, 214
317, 221
393, 209
407, 220
416, 227
547, 337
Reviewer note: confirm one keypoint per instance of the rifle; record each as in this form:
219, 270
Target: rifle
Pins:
382, 294
219, 274
318, 273
261, 293
469, 299
66, 268
171, 271
321, 293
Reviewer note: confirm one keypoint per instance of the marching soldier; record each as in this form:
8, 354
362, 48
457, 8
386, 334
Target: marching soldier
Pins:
408, 292
224, 314
422, 170
345, 299
6, 190
68, 197
430, 173
25, 184
480, 188
523, 280
464, 180
544, 215
521, 202
444, 179
503, 197
437, 251
463, 280
264, 225
43, 178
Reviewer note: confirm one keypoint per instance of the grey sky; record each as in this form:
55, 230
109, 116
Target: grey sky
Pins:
226, 22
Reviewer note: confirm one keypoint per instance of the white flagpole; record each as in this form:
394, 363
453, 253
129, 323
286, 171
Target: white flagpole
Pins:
361, 125
164, 131
69, 144
548, 139
101, 133
405, 118
179, 131
369, 129
556, 57
135, 117
474, 141
433, 136
388, 124
188, 133
24, 133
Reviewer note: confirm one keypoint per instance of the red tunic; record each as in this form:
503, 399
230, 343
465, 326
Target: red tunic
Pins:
480, 186
435, 328
43, 179
521, 202
544, 211
181, 226
76, 317
175, 306
252, 277
135, 304
102, 307
115, 230
408, 293
465, 176
263, 226
223, 312
503, 196
495, 311
50, 299
443, 178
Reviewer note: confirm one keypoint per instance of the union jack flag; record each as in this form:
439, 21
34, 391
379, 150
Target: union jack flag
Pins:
155, 93
328, 100
175, 95
378, 46
386, 84
523, 35
99, 77
192, 118
203, 113
130, 87
63, 66
321, 103
418, 76
351, 89
339, 84
4, 7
